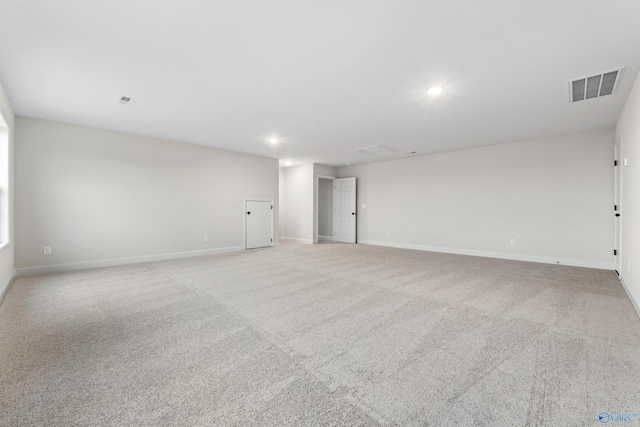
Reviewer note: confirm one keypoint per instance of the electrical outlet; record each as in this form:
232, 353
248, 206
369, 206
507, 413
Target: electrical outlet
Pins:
364, 206
47, 250
387, 234
205, 239
513, 242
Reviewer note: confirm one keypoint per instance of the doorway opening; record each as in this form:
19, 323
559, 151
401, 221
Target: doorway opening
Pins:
324, 219
335, 210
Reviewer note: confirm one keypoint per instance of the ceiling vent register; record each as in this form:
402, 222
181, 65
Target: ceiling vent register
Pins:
125, 100
594, 86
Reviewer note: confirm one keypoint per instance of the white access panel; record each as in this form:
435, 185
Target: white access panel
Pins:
259, 224
344, 210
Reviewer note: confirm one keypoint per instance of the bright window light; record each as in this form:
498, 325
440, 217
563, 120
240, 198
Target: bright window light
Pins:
4, 182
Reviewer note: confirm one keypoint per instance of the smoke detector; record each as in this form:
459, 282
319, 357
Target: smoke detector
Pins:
594, 86
125, 100
376, 150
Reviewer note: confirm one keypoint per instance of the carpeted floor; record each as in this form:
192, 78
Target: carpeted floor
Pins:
323, 335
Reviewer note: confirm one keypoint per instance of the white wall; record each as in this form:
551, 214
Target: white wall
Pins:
322, 170
553, 195
7, 268
628, 131
97, 195
325, 208
299, 202
299, 189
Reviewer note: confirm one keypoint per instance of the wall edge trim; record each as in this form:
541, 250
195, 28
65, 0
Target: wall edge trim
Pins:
7, 287
500, 255
85, 265
635, 304
297, 239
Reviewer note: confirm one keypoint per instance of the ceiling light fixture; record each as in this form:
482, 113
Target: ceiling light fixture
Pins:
436, 90
273, 140
287, 163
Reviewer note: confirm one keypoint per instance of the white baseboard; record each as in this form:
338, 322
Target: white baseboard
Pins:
487, 254
59, 268
633, 301
325, 238
296, 239
7, 287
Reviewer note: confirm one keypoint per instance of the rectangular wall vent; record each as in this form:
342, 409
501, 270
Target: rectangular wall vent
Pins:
377, 150
594, 86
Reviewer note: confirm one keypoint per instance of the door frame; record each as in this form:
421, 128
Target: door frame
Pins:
317, 204
244, 218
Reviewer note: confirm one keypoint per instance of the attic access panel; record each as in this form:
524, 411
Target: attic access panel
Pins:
377, 150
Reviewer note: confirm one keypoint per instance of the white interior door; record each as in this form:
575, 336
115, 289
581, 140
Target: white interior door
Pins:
617, 226
259, 220
344, 210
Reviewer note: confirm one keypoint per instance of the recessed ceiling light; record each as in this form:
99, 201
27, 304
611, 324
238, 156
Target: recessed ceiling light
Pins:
273, 140
436, 90
287, 163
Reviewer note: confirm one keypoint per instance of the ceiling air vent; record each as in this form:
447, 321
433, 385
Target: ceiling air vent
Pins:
594, 86
125, 100
377, 150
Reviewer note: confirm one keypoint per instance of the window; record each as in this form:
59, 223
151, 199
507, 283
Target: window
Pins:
5, 196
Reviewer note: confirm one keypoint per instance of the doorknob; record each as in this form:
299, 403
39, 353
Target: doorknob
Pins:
353, 213
617, 214
248, 213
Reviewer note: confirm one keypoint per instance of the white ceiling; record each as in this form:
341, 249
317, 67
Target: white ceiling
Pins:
327, 77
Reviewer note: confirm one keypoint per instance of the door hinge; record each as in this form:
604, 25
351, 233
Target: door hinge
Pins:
615, 207
615, 252
271, 240
615, 163
271, 207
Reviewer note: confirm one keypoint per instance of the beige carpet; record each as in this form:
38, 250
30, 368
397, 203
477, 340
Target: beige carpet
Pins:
324, 335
